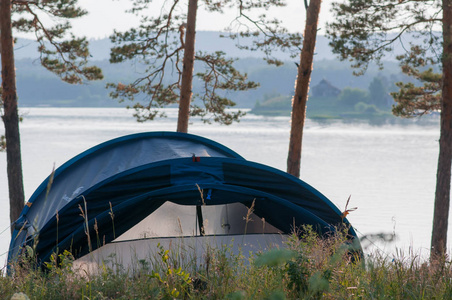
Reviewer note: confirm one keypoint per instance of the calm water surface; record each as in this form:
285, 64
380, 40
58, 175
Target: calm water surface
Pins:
389, 170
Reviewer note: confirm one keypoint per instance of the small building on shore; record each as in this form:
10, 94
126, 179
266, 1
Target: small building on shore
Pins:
325, 89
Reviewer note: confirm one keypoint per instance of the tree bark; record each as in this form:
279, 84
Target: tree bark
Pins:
302, 88
187, 72
10, 115
443, 176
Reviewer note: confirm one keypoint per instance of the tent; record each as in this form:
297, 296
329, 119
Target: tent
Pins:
142, 189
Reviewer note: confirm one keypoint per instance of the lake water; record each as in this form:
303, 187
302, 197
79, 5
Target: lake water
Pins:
389, 170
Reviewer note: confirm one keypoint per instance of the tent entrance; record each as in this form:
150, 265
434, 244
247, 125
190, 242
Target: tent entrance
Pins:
175, 220
175, 228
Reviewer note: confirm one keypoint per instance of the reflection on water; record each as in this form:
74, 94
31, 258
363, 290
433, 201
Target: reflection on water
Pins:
389, 170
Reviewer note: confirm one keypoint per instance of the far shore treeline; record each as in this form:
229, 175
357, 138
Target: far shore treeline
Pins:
356, 95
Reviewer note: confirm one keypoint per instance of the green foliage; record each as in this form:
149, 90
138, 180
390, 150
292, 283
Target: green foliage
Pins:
175, 282
350, 104
361, 106
66, 57
365, 108
39, 87
158, 45
220, 75
307, 267
415, 100
349, 97
412, 100
274, 257
268, 35
363, 30
237, 295
298, 274
273, 104
378, 93
60, 263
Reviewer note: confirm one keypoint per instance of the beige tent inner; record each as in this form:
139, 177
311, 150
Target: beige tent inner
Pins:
175, 227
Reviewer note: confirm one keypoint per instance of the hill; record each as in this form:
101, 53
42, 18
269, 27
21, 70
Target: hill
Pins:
38, 87
208, 41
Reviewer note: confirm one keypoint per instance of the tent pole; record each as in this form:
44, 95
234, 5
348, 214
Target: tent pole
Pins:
200, 220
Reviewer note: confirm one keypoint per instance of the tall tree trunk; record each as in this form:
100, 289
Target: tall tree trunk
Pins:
302, 88
10, 115
443, 176
187, 72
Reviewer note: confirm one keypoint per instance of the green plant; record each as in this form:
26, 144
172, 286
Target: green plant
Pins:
60, 262
307, 266
174, 281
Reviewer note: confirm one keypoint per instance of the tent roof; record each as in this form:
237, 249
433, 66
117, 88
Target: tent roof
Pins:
108, 159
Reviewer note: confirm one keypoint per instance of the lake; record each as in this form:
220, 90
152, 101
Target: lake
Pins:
389, 170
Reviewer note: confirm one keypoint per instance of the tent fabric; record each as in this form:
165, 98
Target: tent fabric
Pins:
122, 183
129, 255
110, 158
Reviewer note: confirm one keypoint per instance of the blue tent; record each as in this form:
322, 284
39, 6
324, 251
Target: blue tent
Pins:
163, 184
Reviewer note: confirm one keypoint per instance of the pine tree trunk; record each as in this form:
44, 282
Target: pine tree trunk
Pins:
187, 72
443, 176
10, 116
302, 88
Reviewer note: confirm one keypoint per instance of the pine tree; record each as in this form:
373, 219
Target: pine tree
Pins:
60, 52
300, 98
163, 45
364, 30
10, 114
413, 100
166, 44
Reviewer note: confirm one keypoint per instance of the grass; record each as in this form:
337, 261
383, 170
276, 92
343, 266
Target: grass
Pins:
308, 267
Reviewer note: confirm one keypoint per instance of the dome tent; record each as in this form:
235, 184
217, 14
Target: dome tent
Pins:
161, 185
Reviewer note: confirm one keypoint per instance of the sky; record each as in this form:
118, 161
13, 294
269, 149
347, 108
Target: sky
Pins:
106, 15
